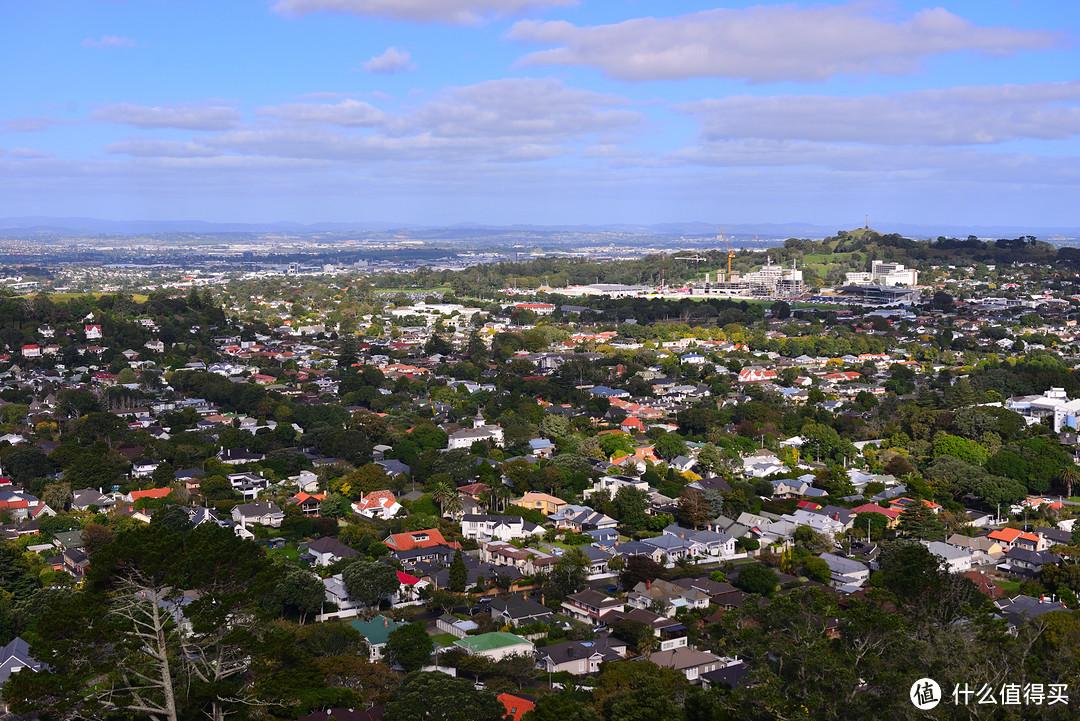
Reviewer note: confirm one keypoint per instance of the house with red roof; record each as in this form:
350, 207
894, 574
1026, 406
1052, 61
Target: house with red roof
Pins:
891, 514
309, 502
516, 707
416, 539
1015, 538
148, 493
756, 375
377, 504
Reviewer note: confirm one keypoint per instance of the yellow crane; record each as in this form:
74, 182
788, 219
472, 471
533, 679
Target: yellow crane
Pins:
730, 253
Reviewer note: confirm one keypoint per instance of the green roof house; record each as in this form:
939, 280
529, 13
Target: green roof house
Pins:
376, 632
496, 645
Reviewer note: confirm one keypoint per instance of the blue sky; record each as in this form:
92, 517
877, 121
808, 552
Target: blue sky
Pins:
542, 111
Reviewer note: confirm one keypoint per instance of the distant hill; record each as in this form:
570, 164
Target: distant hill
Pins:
46, 225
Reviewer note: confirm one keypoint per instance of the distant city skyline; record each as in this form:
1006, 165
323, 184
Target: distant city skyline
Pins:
546, 112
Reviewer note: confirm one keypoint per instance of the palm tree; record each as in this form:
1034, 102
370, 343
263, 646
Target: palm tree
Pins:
1068, 476
503, 493
454, 505
441, 493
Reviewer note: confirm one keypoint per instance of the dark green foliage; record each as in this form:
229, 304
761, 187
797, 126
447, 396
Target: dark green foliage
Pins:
757, 578
437, 697
410, 647
640, 568
459, 573
369, 582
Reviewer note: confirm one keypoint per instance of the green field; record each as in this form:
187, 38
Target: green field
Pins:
289, 552
65, 297
395, 291
444, 639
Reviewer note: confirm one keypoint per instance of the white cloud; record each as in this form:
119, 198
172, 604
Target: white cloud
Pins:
348, 113
31, 123
958, 164
25, 153
952, 116
770, 43
509, 120
109, 41
544, 110
394, 60
160, 149
187, 116
456, 12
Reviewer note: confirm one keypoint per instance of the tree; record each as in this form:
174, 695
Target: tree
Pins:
442, 490
301, 591
570, 573
710, 459
162, 627
459, 573
409, 646
670, 445
562, 706
757, 578
95, 537
693, 510
173, 517
917, 520
369, 582
639, 568
434, 696
630, 506
334, 505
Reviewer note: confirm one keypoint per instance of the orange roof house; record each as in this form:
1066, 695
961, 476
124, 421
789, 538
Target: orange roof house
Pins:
415, 539
148, 493
516, 707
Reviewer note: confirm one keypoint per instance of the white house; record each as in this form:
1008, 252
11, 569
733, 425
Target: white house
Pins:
480, 431
502, 528
845, 571
261, 512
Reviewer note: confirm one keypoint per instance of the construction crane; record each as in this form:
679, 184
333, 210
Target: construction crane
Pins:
730, 253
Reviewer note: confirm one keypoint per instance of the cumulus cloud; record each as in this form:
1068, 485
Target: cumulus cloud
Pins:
394, 60
30, 123
25, 153
504, 121
109, 41
456, 12
517, 108
348, 113
952, 116
770, 43
160, 149
186, 116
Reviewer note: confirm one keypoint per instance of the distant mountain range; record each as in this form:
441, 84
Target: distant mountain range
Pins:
44, 225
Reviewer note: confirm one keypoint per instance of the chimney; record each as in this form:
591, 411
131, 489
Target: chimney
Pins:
385, 622
648, 585
543, 599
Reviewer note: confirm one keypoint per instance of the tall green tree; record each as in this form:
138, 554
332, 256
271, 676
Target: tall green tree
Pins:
369, 582
410, 647
459, 573
434, 696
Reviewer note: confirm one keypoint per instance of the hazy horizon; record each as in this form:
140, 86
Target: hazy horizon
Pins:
543, 112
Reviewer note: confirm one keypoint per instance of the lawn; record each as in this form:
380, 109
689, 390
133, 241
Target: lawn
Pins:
444, 639
65, 297
289, 552
1009, 588
393, 291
